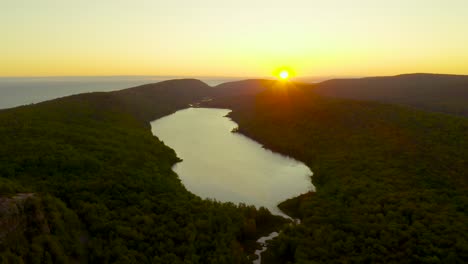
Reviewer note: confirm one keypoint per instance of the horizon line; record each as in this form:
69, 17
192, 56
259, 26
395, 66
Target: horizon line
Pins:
226, 76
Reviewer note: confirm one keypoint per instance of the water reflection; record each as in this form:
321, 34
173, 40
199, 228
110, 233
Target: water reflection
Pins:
228, 166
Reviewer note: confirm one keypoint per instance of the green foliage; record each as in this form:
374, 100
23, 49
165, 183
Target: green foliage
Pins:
43, 230
392, 183
8, 187
95, 153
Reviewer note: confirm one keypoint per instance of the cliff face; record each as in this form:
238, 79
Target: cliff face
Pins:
13, 219
35, 227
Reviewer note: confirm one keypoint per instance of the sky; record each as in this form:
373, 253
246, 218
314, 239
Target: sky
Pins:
249, 38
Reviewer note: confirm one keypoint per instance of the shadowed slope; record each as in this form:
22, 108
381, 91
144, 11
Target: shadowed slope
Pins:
152, 101
434, 92
239, 88
391, 181
96, 157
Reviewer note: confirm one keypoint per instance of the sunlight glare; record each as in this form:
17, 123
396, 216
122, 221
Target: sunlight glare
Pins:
284, 74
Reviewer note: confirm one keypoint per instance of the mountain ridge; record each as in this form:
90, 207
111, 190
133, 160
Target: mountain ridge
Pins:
434, 92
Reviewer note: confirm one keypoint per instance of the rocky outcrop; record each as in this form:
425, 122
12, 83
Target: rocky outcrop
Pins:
13, 219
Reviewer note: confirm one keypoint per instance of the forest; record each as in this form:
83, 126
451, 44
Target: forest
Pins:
82, 179
392, 182
103, 190
431, 92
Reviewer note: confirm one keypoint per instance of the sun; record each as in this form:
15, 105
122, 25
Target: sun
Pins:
284, 74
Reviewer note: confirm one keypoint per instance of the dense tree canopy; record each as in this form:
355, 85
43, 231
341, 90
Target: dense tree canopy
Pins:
83, 179
392, 182
104, 190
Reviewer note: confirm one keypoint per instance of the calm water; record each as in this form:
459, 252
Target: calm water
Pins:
28, 90
228, 166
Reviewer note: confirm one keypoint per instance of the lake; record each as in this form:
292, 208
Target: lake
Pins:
16, 91
227, 166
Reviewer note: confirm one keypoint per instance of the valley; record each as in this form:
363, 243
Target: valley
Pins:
390, 180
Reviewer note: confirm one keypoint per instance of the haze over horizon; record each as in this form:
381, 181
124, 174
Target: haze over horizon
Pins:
245, 38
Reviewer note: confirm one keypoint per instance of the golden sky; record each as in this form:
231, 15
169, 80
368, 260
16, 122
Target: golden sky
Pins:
232, 38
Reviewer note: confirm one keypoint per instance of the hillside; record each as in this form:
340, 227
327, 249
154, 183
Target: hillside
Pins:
102, 188
434, 92
391, 181
82, 178
240, 88
152, 101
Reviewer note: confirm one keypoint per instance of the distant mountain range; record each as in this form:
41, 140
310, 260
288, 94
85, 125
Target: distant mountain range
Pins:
434, 92
83, 179
391, 181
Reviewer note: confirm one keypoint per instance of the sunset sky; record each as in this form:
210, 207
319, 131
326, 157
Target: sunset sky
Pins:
232, 38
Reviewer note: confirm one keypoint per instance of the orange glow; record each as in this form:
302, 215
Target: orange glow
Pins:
284, 73
372, 38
